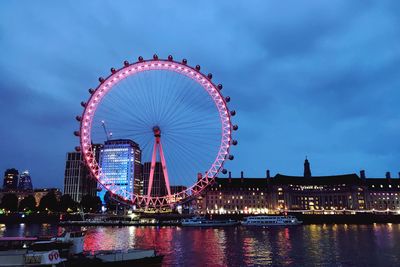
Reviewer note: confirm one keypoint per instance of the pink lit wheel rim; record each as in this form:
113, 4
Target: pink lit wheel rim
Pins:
175, 113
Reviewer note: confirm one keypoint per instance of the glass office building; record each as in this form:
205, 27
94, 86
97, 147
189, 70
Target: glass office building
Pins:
120, 162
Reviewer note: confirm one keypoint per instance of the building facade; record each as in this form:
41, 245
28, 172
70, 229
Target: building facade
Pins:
77, 179
234, 195
120, 163
36, 193
332, 194
10, 182
25, 182
159, 187
317, 193
384, 194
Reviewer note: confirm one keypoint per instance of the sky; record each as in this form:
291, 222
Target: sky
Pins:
307, 78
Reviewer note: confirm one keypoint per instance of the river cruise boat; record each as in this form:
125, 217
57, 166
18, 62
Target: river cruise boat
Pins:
271, 221
203, 222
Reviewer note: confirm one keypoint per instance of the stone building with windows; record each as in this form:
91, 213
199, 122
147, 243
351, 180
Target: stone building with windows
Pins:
384, 194
234, 195
335, 193
318, 193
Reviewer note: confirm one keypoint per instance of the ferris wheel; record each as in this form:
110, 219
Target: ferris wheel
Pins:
174, 116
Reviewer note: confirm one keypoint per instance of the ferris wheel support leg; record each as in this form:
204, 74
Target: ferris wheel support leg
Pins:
165, 171
151, 177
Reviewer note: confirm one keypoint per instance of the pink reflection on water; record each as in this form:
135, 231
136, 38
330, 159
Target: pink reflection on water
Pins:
204, 245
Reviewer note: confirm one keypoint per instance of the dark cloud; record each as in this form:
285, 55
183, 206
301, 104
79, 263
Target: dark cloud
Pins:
316, 78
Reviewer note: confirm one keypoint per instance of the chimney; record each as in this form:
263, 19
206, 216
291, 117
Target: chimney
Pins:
199, 176
230, 175
241, 177
399, 174
268, 174
388, 176
362, 174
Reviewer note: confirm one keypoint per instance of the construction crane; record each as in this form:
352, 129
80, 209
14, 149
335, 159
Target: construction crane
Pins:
108, 135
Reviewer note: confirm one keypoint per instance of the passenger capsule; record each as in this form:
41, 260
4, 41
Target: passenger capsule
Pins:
77, 148
234, 142
113, 70
224, 171
184, 61
209, 76
170, 58
155, 57
140, 59
83, 104
198, 67
233, 113
101, 79
231, 157
235, 127
77, 133
219, 86
228, 99
78, 118
91, 91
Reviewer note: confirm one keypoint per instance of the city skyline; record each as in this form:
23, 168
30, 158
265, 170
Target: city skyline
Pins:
318, 80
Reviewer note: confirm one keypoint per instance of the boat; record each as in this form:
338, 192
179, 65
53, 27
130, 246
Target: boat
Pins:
130, 257
271, 220
67, 249
24, 251
203, 222
73, 241
78, 257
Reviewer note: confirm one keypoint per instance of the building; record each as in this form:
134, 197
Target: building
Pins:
177, 188
36, 193
336, 192
307, 193
234, 195
77, 179
120, 163
39, 193
25, 182
159, 187
384, 194
10, 182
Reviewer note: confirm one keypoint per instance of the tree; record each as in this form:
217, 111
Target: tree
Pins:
90, 203
9, 202
49, 202
110, 202
66, 202
28, 203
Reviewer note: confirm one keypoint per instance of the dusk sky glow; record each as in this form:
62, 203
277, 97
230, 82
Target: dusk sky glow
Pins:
307, 78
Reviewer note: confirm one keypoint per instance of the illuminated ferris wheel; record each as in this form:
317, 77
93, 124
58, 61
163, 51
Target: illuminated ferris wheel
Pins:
177, 117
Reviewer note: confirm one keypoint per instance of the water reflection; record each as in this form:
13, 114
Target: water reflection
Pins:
308, 245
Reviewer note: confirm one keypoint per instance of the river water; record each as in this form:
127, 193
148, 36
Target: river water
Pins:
307, 245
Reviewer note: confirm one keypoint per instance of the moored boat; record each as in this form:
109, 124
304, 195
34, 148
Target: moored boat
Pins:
203, 222
23, 251
126, 257
271, 220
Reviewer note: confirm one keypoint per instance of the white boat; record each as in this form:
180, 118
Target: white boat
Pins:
203, 222
20, 251
271, 220
74, 239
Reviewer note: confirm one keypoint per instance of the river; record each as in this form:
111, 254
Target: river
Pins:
306, 245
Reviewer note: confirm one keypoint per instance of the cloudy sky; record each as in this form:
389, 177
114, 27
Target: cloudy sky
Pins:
307, 78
